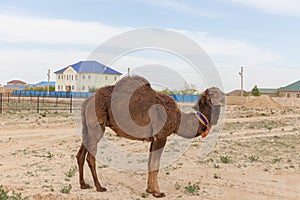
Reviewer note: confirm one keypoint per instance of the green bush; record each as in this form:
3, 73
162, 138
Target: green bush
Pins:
15, 196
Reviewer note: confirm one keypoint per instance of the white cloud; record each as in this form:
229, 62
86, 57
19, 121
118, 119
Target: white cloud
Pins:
31, 64
181, 7
18, 29
282, 7
22, 29
228, 52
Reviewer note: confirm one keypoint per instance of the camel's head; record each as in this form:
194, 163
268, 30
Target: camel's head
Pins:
209, 104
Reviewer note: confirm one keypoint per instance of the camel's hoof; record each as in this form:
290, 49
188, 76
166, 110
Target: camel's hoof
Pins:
85, 186
158, 194
101, 189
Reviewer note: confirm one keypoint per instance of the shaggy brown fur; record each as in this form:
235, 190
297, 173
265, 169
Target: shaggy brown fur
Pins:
133, 110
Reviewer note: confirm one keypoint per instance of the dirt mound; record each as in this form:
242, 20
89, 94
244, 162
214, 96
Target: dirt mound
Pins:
263, 101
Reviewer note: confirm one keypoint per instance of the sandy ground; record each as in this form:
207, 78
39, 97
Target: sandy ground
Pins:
257, 157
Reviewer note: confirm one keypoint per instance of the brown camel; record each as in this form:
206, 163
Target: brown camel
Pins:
132, 109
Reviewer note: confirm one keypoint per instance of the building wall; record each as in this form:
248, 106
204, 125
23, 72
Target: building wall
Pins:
87, 81
65, 80
83, 82
294, 94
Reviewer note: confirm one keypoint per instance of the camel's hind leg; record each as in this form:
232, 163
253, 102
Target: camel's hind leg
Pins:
80, 161
92, 131
95, 132
156, 150
91, 161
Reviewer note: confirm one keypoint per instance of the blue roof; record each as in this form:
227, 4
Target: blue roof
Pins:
15, 86
42, 84
45, 83
90, 67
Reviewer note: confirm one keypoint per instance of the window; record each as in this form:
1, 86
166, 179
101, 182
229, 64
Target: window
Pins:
115, 78
67, 77
58, 87
72, 86
76, 78
287, 94
72, 77
106, 77
83, 76
297, 95
89, 76
83, 88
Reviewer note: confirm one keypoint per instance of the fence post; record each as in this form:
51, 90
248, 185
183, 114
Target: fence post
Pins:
56, 102
38, 104
0, 102
71, 101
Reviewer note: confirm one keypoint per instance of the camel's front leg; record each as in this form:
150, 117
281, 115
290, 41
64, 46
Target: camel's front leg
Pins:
156, 150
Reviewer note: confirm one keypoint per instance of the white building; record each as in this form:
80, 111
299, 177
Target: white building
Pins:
85, 75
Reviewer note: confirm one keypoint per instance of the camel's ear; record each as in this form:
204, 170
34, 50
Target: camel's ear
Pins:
204, 99
207, 95
196, 106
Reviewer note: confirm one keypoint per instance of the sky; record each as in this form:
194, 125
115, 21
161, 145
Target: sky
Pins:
261, 36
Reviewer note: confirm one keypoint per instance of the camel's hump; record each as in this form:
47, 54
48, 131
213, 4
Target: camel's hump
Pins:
130, 82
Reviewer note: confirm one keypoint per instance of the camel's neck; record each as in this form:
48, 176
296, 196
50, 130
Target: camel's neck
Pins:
188, 125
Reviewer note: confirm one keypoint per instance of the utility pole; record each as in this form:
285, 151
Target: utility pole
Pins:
241, 73
48, 87
128, 71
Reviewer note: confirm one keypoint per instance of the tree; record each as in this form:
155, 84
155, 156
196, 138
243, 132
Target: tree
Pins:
255, 92
40, 88
93, 89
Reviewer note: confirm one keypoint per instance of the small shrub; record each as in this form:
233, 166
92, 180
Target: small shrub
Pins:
51, 188
103, 166
216, 166
177, 186
145, 195
276, 160
66, 189
225, 159
217, 176
50, 155
71, 172
253, 158
14, 196
192, 189
3, 194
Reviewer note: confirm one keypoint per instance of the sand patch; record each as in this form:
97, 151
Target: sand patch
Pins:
263, 101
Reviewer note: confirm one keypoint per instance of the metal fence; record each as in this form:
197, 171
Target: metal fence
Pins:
184, 98
30, 93
36, 101
9, 102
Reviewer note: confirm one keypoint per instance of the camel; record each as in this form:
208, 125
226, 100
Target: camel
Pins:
133, 110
